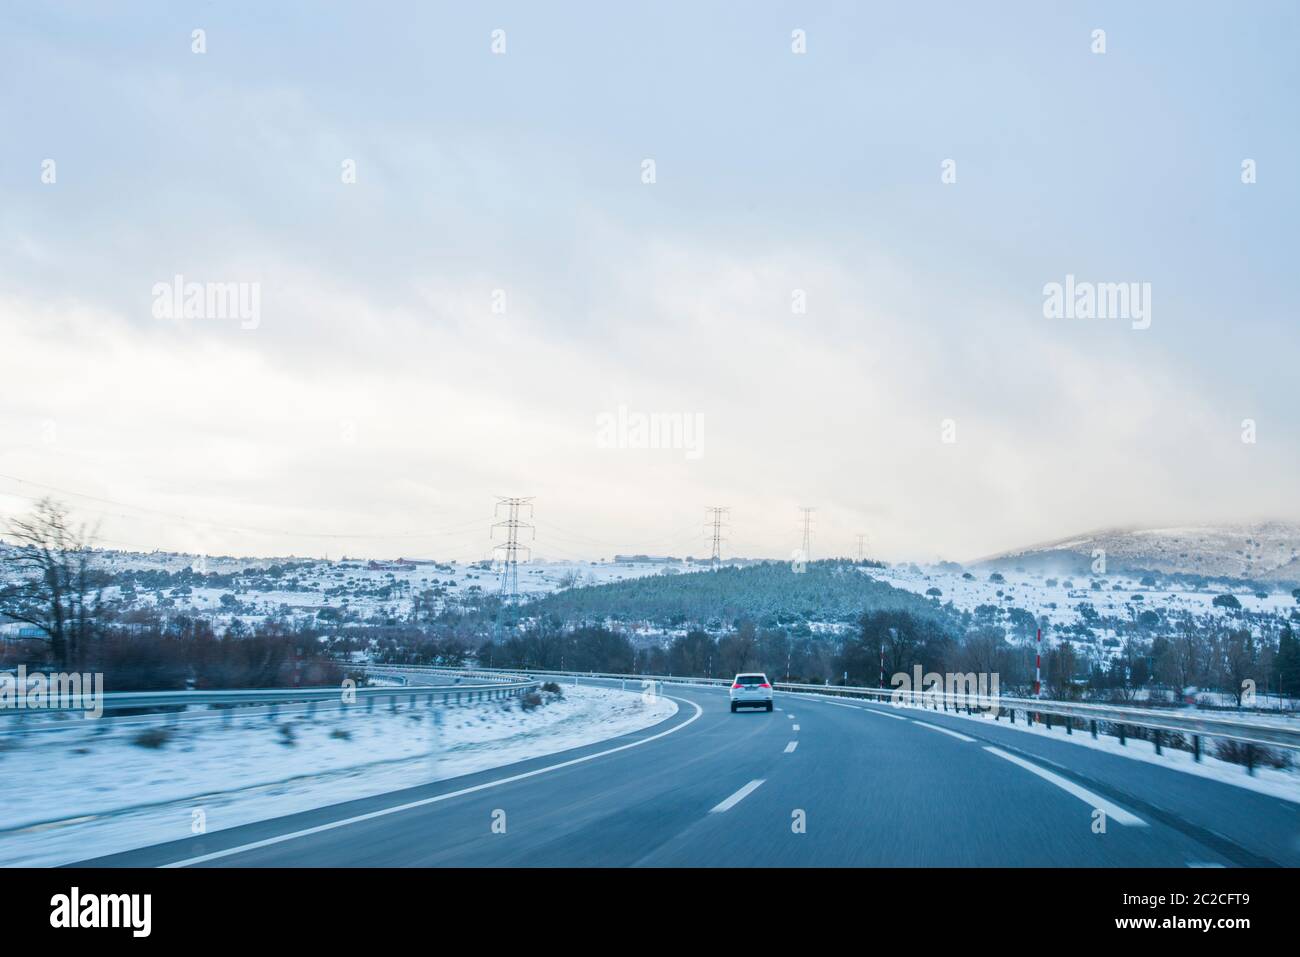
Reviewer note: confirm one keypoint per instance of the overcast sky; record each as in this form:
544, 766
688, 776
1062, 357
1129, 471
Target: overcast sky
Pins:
468, 317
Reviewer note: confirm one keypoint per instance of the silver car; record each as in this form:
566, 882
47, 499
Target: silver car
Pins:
751, 690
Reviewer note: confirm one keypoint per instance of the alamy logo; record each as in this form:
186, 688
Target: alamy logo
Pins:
61, 691
103, 910
1098, 300
929, 689
179, 299
625, 429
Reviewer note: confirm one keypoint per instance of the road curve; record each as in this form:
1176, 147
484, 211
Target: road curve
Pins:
817, 782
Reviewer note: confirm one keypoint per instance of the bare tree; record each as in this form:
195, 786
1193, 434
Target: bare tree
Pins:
50, 580
1241, 657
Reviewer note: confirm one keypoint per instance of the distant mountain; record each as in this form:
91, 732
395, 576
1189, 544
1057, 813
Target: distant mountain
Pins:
1266, 552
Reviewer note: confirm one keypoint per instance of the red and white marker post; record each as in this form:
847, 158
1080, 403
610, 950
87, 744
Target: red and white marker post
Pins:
1038, 670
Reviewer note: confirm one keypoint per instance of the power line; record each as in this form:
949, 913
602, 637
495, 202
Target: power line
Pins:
186, 519
577, 538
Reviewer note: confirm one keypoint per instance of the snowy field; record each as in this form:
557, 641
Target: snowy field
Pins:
1058, 597
96, 788
364, 589
375, 591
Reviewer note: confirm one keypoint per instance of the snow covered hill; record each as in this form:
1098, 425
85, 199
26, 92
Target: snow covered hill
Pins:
1268, 551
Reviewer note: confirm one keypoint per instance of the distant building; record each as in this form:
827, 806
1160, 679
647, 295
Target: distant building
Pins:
11, 630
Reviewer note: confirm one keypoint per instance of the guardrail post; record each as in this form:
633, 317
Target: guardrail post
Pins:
370, 704
311, 708
1156, 738
1123, 739
271, 713
1069, 725
1013, 715
1093, 725
1047, 719
1250, 759
226, 716
1196, 747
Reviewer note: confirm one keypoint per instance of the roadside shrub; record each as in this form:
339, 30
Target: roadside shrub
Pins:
152, 738
1235, 752
530, 701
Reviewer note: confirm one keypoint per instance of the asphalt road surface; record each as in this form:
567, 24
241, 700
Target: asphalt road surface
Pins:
817, 782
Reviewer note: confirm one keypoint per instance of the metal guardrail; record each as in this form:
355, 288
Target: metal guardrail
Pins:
1243, 730
501, 687
1154, 719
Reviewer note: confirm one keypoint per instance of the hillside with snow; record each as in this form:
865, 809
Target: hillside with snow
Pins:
1266, 552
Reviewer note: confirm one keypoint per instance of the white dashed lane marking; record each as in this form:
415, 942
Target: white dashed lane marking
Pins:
739, 796
791, 746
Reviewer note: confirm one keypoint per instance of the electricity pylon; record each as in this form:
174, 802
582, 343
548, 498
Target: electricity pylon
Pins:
716, 512
807, 532
509, 549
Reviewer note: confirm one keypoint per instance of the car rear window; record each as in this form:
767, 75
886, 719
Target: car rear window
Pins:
751, 679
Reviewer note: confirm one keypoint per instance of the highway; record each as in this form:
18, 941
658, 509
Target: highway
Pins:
871, 786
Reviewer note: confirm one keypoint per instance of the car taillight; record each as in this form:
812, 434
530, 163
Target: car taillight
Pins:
735, 686
765, 685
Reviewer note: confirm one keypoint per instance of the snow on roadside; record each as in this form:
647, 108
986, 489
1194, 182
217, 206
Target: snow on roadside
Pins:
90, 790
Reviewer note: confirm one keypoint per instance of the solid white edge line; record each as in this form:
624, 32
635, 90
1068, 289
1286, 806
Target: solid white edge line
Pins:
423, 802
1113, 811
934, 727
858, 707
736, 798
791, 746
883, 714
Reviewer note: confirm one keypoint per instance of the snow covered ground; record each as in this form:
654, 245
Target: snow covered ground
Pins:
92, 788
301, 588
1063, 601
1058, 597
1265, 550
